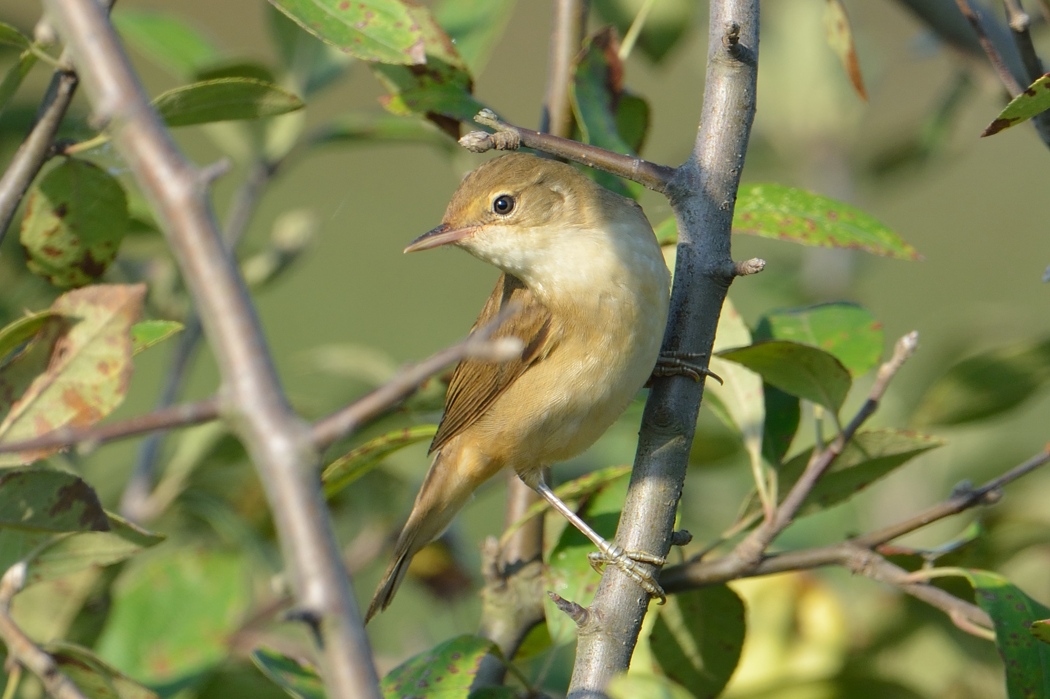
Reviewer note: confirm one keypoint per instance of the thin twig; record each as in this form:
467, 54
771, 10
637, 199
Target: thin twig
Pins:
1020, 23
21, 648
252, 400
570, 24
990, 50
509, 137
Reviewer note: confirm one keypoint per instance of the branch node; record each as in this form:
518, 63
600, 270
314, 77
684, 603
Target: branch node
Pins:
210, 173
12, 583
731, 38
746, 267
680, 537
579, 615
310, 618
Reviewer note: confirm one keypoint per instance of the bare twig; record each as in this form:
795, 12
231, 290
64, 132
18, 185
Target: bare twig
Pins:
252, 400
1020, 24
1013, 86
509, 137
701, 193
570, 24
21, 648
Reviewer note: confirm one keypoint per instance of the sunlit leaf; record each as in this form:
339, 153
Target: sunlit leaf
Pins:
71, 375
75, 219
360, 460
448, 668
12, 37
698, 637
986, 385
14, 77
1041, 630
372, 30
801, 370
49, 501
166, 39
299, 680
1034, 100
785, 213
226, 99
313, 64
846, 331
840, 38
151, 332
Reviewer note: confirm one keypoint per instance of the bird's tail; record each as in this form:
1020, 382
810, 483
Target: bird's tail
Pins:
446, 488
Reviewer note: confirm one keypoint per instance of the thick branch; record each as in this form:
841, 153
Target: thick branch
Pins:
702, 193
278, 442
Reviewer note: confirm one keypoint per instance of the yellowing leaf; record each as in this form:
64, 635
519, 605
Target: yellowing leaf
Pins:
840, 38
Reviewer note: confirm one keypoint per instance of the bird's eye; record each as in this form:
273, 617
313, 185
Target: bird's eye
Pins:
503, 204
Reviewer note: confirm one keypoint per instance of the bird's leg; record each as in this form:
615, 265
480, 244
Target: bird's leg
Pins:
627, 561
691, 364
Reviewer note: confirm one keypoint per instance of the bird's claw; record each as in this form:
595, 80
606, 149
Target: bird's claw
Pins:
628, 562
684, 364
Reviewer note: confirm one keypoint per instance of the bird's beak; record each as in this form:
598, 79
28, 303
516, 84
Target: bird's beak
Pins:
442, 235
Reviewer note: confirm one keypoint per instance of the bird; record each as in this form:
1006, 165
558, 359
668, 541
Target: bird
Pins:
587, 288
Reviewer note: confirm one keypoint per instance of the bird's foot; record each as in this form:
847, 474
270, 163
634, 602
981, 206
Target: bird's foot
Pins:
630, 563
689, 364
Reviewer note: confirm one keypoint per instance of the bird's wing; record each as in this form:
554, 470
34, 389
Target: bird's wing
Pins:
476, 384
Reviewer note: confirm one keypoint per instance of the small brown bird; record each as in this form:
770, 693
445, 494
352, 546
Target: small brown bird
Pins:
589, 281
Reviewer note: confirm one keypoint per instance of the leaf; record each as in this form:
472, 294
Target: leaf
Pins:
783, 414
14, 77
167, 40
698, 637
475, 27
868, 457
637, 685
985, 385
667, 22
441, 91
595, 93
70, 553
372, 30
368, 129
226, 99
847, 331
235, 69
92, 675
1040, 630
785, 213
154, 634
1027, 661
840, 39
1033, 101
569, 573
75, 218
151, 332
360, 460
311, 63
446, 670
10, 36
85, 368
49, 501
801, 370
299, 680
14, 335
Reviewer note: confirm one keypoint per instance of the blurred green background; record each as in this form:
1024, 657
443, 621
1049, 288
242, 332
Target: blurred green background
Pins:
354, 308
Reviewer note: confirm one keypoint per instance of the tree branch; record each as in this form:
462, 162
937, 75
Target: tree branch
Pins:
252, 400
702, 192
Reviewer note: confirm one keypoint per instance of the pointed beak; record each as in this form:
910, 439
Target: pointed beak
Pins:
442, 235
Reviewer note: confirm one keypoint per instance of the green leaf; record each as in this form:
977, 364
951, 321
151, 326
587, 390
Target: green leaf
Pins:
638, 685
475, 27
801, 370
1027, 661
1040, 630
986, 385
360, 460
49, 501
668, 21
154, 634
868, 457
70, 553
569, 573
783, 414
235, 69
848, 332
595, 93
785, 213
698, 637
12, 37
76, 217
14, 335
447, 669
632, 120
299, 680
167, 40
151, 332
92, 675
14, 77
75, 375
373, 30
227, 99
1034, 100
311, 63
